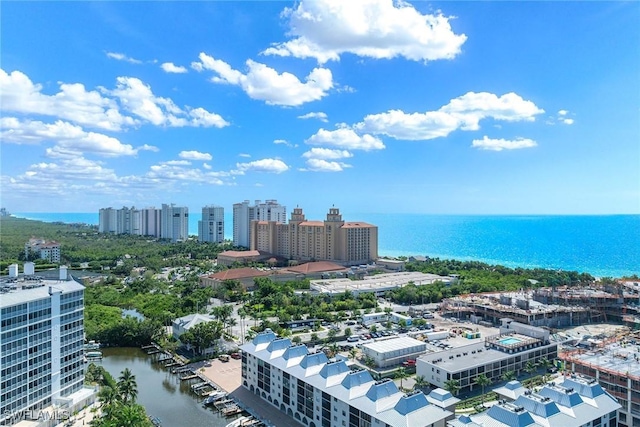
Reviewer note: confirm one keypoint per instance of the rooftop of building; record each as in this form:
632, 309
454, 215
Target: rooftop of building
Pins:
476, 354
575, 402
378, 281
239, 273
312, 223
191, 320
380, 399
358, 224
392, 344
315, 267
239, 254
25, 288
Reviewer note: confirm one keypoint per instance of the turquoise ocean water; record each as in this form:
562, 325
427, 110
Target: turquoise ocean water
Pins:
607, 245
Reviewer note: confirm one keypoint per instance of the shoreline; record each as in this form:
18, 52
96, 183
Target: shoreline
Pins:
596, 271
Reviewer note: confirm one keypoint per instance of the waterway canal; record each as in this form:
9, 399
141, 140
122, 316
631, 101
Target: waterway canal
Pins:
160, 392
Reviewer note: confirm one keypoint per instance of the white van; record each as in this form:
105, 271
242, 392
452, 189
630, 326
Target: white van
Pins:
353, 338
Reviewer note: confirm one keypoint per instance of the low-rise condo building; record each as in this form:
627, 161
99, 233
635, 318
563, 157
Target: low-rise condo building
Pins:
43, 249
316, 391
510, 350
577, 402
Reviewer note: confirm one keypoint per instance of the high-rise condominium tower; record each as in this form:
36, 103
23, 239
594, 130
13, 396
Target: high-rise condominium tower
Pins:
211, 227
244, 213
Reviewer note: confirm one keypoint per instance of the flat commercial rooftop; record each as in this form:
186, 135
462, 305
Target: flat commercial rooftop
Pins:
379, 282
393, 344
468, 356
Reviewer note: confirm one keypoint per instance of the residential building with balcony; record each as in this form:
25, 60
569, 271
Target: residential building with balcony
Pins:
41, 345
316, 391
211, 226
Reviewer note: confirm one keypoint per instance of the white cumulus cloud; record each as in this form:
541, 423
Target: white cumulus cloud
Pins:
491, 144
138, 98
262, 165
73, 102
195, 155
266, 84
170, 67
68, 138
327, 154
568, 121
464, 112
325, 29
321, 165
100, 109
319, 115
345, 138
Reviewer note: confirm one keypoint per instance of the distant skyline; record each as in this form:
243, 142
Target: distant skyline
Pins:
369, 105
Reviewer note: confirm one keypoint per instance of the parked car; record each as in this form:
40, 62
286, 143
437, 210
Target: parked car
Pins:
236, 356
224, 357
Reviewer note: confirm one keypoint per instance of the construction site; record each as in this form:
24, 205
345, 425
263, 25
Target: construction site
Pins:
615, 362
552, 307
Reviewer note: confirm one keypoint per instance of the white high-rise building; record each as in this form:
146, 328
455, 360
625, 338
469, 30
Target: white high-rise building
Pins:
211, 227
174, 222
125, 220
150, 222
107, 222
244, 213
41, 337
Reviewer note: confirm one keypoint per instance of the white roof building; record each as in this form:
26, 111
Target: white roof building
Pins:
393, 351
183, 324
577, 402
378, 284
317, 391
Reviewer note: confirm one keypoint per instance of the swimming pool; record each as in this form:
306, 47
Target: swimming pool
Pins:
509, 341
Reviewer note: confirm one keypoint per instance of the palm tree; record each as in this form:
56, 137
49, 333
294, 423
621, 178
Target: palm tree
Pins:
127, 386
452, 386
401, 374
421, 382
530, 367
482, 380
242, 313
353, 353
509, 376
546, 364
109, 399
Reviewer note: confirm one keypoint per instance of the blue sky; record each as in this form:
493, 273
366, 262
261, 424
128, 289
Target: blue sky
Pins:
371, 106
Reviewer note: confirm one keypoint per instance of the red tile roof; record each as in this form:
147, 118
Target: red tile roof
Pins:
357, 225
238, 273
313, 223
239, 254
316, 267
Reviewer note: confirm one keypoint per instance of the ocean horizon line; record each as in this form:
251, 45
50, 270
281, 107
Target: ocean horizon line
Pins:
601, 245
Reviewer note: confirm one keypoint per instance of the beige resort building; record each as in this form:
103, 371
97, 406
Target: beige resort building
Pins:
346, 243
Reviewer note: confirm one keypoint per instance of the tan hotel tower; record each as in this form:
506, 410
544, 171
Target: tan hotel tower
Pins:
347, 243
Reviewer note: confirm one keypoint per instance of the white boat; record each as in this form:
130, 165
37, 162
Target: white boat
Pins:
238, 421
214, 396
